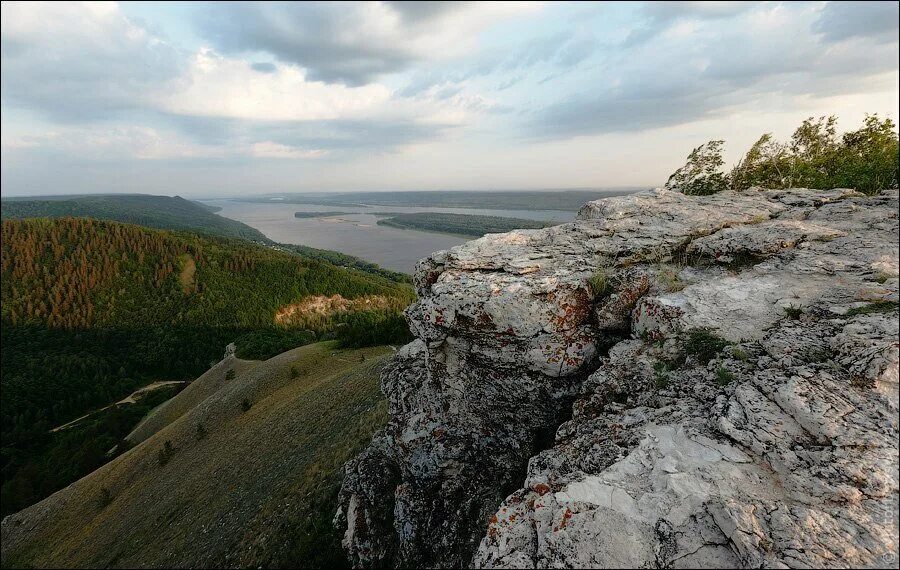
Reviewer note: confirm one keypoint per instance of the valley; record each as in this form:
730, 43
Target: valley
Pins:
93, 310
240, 468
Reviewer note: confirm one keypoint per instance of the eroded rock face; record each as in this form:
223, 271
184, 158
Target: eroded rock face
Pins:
777, 448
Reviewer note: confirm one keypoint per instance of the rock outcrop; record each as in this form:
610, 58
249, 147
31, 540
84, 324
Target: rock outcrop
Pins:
668, 381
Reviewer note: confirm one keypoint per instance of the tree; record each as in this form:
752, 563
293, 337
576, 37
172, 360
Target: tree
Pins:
865, 159
700, 176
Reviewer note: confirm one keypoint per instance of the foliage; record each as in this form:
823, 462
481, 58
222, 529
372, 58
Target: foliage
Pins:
865, 159
599, 283
92, 310
344, 260
723, 376
53, 460
793, 312
462, 224
703, 344
700, 176
876, 307
161, 212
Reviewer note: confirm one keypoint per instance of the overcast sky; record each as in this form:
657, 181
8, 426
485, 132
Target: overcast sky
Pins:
231, 98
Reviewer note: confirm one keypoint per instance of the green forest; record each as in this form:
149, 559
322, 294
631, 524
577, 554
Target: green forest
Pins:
93, 309
461, 224
161, 212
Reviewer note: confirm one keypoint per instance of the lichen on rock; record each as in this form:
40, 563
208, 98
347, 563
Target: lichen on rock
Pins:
537, 423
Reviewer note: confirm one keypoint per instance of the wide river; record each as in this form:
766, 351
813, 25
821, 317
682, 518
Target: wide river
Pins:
358, 233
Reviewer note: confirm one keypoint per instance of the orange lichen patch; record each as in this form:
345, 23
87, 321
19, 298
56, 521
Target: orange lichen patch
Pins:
565, 519
542, 489
322, 306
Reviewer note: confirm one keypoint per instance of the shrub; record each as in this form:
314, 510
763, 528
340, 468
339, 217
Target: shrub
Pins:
230, 374
723, 376
165, 453
660, 375
246, 405
294, 372
703, 345
105, 497
739, 354
793, 312
201, 432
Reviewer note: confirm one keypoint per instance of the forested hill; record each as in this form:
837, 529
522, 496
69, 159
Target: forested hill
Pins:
161, 212
77, 273
93, 309
170, 213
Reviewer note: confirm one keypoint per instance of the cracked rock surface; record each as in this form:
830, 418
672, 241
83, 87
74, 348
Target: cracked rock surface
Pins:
720, 374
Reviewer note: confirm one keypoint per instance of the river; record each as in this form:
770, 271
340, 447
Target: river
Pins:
358, 233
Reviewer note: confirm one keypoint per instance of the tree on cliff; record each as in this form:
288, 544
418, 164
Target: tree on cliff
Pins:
865, 159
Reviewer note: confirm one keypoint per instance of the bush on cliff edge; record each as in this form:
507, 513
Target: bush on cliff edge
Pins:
865, 159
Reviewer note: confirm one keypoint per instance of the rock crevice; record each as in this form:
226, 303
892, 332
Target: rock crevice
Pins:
720, 373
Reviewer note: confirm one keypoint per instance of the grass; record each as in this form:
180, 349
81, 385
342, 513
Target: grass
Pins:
599, 284
661, 375
668, 277
266, 481
703, 344
871, 308
739, 354
793, 312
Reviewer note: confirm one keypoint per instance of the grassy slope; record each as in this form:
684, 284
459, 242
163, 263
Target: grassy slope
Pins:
241, 496
161, 212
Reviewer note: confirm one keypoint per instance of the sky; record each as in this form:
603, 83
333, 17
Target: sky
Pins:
225, 99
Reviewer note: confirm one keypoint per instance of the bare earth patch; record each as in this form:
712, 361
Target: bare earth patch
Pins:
323, 306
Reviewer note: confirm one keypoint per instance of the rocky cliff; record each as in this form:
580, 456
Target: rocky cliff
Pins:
668, 381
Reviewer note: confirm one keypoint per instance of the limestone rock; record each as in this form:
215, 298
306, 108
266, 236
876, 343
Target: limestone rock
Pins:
776, 447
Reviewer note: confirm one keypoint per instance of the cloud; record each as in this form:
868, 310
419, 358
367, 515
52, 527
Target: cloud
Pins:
269, 149
229, 87
353, 44
660, 16
263, 67
845, 20
699, 70
78, 62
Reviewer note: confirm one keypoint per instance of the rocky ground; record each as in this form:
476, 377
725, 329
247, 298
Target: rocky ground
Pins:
668, 381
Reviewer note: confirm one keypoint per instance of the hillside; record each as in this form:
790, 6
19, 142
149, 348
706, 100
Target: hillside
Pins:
91, 310
249, 478
161, 212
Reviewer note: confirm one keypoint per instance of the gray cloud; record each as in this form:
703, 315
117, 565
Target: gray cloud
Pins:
661, 15
263, 67
845, 20
332, 135
707, 75
81, 66
328, 40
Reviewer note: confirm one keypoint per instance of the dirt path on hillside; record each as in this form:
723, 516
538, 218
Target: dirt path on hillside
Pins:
130, 399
